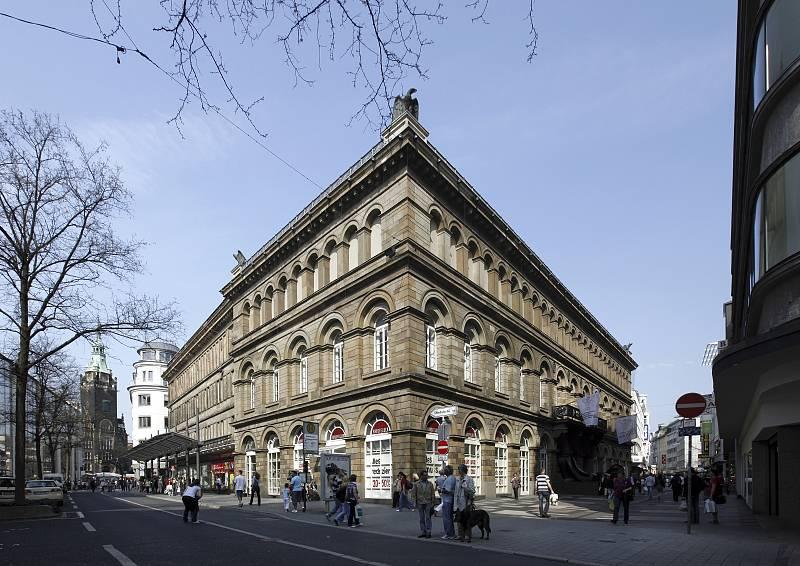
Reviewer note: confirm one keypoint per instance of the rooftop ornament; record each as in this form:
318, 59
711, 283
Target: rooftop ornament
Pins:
403, 104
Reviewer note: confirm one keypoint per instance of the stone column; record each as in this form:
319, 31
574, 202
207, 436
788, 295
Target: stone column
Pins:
279, 298
342, 258
323, 271
505, 291
462, 264
527, 309
364, 248
516, 300
492, 278
291, 292
306, 282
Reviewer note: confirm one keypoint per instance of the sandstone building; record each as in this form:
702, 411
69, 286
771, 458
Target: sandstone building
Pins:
399, 290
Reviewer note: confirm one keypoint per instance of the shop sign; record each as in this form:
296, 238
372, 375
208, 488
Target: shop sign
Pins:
310, 438
218, 468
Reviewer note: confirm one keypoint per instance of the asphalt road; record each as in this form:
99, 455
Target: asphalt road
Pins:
137, 530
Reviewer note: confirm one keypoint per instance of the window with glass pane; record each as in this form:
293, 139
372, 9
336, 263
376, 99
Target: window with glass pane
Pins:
144, 400
252, 392
521, 385
776, 226
304, 374
498, 382
777, 46
338, 361
382, 345
430, 346
275, 386
467, 363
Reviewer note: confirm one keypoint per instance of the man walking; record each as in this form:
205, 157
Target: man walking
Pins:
675, 484
464, 498
218, 483
543, 489
448, 496
239, 484
422, 497
352, 502
191, 500
623, 490
650, 484
515, 486
255, 488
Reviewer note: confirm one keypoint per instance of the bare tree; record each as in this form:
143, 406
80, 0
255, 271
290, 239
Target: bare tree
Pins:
384, 40
64, 272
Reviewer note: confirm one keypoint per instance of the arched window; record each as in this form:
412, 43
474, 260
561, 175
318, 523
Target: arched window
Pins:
430, 347
381, 342
501, 461
378, 457
276, 385
472, 452
249, 460
273, 465
246, 319
375, 234
338, 359
468, 363
498, 381
303, 372
297, 451
252, 390
352, 241
334, 438
525, 464
433, 463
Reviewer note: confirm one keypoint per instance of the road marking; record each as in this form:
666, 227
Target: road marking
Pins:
89, 527
355, 559
121, 558
80, 515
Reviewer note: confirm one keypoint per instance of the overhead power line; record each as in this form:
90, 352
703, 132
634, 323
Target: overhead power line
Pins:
120, 48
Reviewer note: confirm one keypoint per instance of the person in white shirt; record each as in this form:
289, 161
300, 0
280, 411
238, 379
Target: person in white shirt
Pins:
191, 500
240, 484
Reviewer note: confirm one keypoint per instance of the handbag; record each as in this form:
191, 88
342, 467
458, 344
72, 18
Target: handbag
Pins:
610, 503
720, 500
359, 512
710, 506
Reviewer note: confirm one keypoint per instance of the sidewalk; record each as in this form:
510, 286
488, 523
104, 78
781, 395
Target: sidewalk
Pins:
579, 531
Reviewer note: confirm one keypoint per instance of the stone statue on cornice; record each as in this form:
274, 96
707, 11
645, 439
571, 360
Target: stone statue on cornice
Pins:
404, 104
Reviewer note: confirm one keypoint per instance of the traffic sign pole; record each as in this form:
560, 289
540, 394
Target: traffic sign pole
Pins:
689, 489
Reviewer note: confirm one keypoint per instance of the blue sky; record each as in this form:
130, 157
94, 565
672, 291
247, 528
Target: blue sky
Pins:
610, 154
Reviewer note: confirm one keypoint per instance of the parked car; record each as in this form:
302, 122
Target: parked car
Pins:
6, 490
44, 491
58, 478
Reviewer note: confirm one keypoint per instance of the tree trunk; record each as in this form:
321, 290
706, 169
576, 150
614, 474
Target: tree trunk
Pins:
21, 379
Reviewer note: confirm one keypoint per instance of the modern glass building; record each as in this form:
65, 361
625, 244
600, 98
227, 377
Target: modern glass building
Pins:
757, 372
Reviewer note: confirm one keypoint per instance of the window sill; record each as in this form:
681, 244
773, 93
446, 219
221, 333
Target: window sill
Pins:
471, 385
331, 386
524, 403
299, 396
272, 404
505, 396
437, 374
249, 411
377, 373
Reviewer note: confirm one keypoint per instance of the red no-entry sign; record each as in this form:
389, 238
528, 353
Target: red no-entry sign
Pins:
690, 405
441, 447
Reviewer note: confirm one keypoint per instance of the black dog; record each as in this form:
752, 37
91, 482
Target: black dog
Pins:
476, 518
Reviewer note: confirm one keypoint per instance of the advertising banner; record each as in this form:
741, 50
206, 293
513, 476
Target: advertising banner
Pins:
334, 468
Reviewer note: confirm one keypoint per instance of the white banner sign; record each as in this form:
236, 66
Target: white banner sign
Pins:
626, 429
589, 407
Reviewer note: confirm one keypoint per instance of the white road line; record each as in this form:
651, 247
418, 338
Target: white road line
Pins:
121, 558
89, 527
355, 559
80, 515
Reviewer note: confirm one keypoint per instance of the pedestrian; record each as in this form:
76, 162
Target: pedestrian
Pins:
463, 500
623, 490
650, 484
191, 500
660, 484
439, 483
352, 502
297, 490
697, 485
716, 495
544, 489
675, 485
92, 484
396, 491
218, 484
515, 486
239, 484
405, 486
422, 495
255, 488
286, 494
335, 484
341, 502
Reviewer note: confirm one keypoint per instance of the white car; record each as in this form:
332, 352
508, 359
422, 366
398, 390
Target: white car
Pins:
44, 491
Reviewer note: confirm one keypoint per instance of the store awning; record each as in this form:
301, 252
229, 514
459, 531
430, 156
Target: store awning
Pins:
160, 446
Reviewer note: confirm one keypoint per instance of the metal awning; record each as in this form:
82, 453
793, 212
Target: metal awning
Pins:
162, 445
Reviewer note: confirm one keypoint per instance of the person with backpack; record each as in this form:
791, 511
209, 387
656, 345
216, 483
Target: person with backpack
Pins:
352, 498
422, 495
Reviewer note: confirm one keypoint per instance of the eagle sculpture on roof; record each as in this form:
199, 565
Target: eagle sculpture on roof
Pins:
404, 104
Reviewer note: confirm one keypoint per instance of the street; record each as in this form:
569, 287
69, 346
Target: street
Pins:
107, 529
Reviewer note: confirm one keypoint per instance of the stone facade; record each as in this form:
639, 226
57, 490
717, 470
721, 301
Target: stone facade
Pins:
397, 291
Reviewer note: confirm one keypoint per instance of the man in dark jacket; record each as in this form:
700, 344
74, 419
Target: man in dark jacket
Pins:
675, 484
698, 486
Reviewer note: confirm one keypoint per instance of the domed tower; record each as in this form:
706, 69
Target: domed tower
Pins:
148, 392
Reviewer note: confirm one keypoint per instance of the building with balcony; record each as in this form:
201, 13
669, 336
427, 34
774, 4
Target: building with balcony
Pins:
148, 393
757, 373
400, 290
